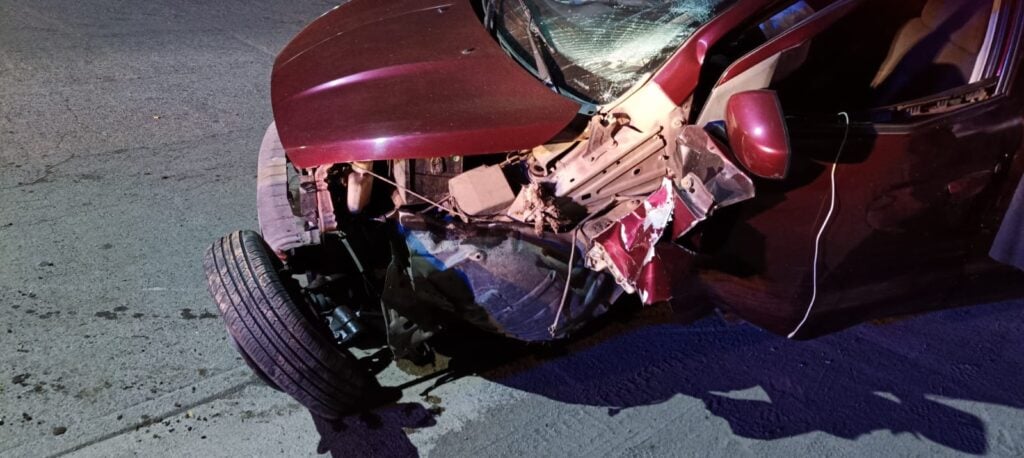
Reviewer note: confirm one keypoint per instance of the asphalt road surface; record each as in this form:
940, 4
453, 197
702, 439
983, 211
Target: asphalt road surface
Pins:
128, 142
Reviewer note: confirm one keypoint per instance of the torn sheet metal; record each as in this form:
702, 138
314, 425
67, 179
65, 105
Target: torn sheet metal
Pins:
626, 244
625, 241
502, 277
702, 156
666, 274
694, 202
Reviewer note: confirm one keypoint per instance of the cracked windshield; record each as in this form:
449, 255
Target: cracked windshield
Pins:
596, 49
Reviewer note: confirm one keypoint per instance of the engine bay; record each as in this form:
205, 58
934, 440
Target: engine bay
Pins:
541, 238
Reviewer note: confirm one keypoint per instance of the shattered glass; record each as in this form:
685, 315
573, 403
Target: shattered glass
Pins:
602, 47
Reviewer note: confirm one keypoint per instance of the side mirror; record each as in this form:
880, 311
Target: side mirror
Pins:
757, 133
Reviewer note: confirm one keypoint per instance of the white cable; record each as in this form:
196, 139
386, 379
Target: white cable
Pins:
821, 230
568, 281
572, 259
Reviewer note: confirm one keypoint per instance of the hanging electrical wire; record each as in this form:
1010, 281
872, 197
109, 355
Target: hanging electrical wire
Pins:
821, 230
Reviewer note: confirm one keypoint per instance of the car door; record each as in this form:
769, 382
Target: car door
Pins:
918, 173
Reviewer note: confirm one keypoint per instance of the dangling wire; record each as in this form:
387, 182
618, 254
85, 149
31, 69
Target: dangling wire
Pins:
821, 230
572, 260
568, 282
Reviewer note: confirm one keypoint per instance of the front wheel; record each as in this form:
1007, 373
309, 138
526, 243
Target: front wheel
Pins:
266, 316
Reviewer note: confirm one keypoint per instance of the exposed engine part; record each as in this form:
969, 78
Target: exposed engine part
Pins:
481, 191
625, 193
536, 205
430, 177
360, 186
406, 339
434, 204
343, 324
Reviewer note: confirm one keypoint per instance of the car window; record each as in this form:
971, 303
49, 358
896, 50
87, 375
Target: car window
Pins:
924, 57
979, 53
934, 51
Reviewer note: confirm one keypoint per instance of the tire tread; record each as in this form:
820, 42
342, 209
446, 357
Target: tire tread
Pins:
261, 313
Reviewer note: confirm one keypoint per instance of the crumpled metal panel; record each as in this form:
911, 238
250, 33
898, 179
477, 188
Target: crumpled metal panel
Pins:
627, 247
702, 156
664, 275
628, 240
502, 277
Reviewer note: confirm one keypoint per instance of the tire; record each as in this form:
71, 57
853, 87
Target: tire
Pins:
266, 317
252, 364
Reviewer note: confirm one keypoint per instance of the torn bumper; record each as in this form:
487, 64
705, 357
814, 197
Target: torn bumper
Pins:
281, 229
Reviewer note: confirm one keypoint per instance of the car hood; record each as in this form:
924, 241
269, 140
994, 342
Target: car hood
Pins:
405, 79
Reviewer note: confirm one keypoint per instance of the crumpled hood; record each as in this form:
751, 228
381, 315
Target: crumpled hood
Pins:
404, 79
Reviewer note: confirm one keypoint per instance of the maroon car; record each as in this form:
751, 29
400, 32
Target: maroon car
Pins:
521, 166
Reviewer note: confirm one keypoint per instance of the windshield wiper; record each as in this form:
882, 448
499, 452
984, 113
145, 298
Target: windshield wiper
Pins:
490, 7
538, 45
533, 34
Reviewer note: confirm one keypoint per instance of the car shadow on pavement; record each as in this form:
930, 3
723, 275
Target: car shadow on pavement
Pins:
373, 434
902, 377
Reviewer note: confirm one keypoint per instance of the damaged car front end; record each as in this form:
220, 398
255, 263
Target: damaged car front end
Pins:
600, 191
514, 165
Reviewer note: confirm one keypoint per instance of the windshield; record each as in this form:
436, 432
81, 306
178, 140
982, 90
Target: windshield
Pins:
597, 49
